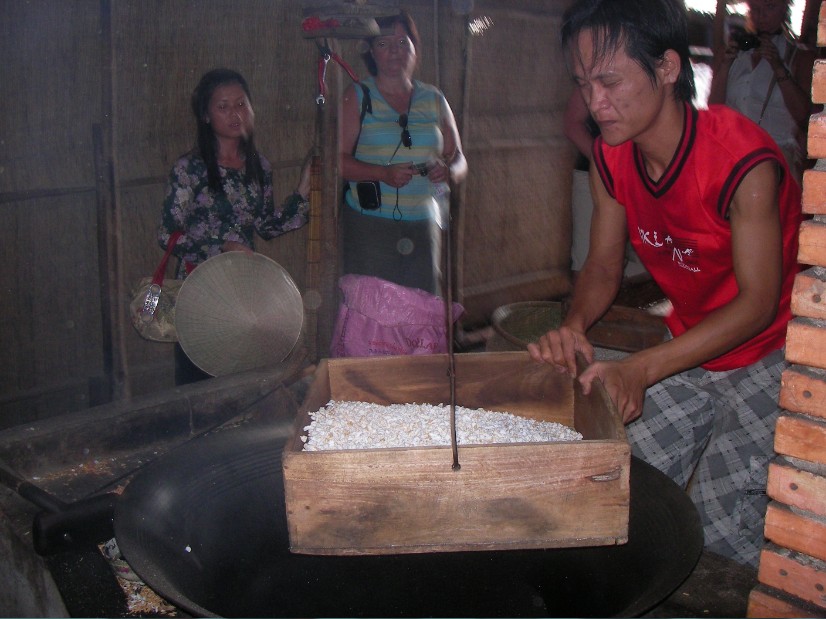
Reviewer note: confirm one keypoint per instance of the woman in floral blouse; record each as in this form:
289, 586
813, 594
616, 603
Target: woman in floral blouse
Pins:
221, 192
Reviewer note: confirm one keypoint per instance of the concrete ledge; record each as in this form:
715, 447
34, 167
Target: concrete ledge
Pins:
168, 417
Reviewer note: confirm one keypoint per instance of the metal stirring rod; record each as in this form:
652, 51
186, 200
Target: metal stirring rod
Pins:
443, 203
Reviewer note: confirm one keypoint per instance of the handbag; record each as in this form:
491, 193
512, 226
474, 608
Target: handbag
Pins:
152, 308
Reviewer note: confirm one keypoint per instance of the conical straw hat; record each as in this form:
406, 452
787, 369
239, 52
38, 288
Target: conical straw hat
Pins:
238, 311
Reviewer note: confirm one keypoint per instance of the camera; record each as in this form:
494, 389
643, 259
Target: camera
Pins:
744, 40
421, 168
369, 195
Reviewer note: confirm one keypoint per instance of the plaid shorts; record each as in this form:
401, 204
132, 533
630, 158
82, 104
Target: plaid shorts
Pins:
713, 434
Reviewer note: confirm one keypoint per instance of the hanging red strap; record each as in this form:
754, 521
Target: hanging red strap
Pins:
153, 293
326, 55
345, 66
157, 278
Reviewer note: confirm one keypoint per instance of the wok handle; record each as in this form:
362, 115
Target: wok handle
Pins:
61, 526
34, 495
86, 521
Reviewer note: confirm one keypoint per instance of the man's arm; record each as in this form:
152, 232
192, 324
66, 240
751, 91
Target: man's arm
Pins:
601, 275
596, 286
757, 258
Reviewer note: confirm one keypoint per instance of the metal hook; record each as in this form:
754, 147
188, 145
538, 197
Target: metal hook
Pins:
322, 79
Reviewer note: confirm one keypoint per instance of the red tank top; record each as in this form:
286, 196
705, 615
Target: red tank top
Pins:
679, 224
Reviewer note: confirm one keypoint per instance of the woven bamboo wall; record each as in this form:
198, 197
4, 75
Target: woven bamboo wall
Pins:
96, 111
792, 573
518, 204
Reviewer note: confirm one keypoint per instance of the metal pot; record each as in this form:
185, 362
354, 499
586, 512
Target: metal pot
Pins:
205, 527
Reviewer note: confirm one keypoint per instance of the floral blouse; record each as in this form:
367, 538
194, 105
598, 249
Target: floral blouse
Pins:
208, 219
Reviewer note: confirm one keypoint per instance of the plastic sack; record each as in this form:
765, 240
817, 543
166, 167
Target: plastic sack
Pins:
380, 318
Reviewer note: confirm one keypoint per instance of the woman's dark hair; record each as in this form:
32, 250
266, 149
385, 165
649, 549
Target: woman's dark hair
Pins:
786, 27
207, 142
388, 23
647, 29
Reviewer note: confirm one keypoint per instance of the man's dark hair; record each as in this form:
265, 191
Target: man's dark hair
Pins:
646, 28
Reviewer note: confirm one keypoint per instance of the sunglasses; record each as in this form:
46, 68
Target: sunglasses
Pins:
406, 139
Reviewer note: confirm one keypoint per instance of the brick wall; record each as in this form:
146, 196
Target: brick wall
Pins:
792, 573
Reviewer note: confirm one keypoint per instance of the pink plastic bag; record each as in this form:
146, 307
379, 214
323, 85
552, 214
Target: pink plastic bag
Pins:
380, 318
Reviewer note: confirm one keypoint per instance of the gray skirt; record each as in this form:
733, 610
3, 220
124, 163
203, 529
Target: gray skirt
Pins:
407, 253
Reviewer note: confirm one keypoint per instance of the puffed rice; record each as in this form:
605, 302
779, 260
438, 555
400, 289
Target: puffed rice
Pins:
363, 425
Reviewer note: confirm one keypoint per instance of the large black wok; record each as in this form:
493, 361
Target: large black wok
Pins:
205, 527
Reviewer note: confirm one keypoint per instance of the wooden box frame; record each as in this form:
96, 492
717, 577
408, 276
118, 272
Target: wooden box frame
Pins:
504, 496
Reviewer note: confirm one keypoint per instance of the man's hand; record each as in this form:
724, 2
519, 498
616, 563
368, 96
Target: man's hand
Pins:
768, 52
623, 381
559, 347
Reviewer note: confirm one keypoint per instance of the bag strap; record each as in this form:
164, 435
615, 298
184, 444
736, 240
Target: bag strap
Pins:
157, 278
366, 102
366, 106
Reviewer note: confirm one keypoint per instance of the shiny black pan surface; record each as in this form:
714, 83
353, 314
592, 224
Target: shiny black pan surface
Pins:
205, 527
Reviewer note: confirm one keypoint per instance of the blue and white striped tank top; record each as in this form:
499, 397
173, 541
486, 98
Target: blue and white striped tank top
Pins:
381, 136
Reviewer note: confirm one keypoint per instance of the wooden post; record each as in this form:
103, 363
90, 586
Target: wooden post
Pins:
113, 383
331, 187
312, 296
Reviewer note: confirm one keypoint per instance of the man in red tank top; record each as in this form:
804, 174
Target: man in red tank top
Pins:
706, 199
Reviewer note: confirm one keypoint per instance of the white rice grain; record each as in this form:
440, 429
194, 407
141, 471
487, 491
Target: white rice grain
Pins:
363, 425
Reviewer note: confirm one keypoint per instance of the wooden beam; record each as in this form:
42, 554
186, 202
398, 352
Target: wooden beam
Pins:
108, 221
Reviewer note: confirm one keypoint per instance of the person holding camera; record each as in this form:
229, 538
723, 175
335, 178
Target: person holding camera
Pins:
399, 143
763, 72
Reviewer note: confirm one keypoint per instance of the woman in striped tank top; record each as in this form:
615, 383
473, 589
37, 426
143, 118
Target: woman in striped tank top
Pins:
400, 133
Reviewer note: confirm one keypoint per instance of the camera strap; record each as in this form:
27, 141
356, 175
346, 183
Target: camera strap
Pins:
397, 214
791, 48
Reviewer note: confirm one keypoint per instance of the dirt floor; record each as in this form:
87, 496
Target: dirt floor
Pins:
718, 587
